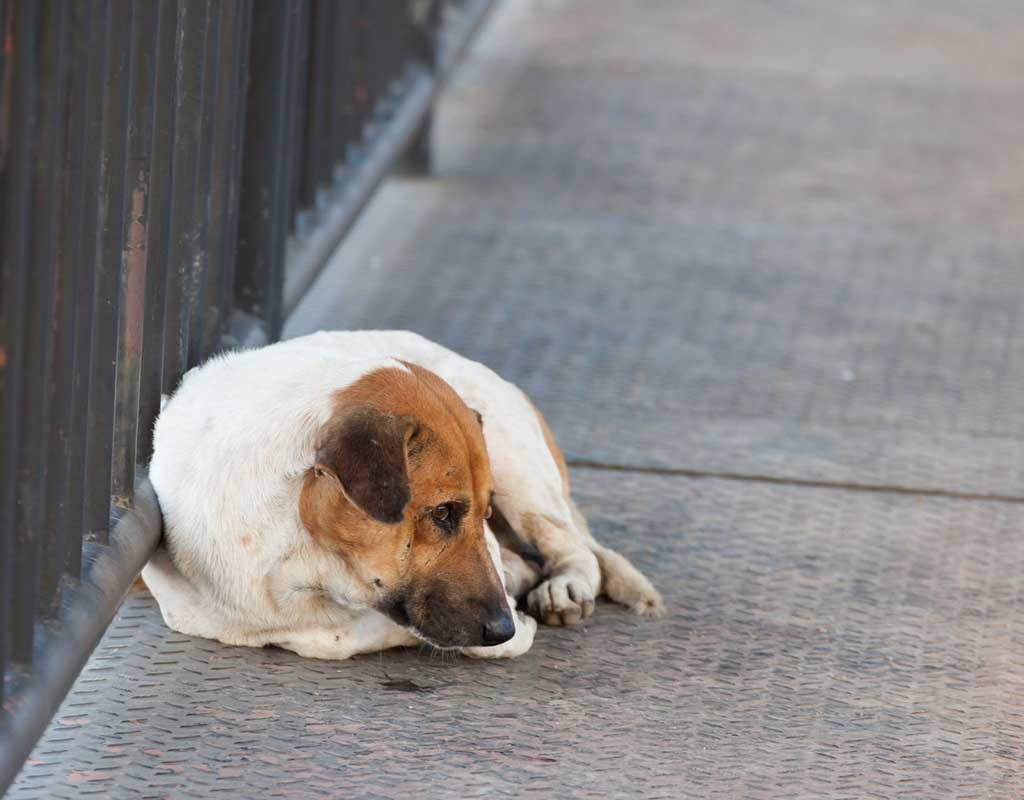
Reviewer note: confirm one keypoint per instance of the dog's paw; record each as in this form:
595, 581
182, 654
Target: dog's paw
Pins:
625, 584
526, 628
562, 600
648, 605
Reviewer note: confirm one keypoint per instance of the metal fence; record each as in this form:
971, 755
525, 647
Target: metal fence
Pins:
173, 174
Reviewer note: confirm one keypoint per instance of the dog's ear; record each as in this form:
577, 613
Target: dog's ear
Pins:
367, 455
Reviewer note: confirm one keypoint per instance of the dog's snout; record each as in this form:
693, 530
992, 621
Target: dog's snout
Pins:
499, 629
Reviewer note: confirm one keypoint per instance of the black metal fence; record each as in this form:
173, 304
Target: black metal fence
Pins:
172, 176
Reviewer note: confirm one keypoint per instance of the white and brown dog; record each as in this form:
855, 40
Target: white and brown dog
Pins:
329, 495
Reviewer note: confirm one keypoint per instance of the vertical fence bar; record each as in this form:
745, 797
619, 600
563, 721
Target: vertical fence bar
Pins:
158, 229
202, 207
340, 98
6, 342
107, 293
222, 103
20, 25
83, 239
422, 32
329, 65
298, 104
63, 405
382, 42
32, 344
57, 306
371, 13
229, 247
134, 255
396, 49
188, 106
6, 546
360, 70
38, 331
316, 160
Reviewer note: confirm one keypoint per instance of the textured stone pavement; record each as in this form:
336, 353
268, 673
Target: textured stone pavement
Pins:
762, 266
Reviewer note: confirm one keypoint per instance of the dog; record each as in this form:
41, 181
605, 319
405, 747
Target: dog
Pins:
348, 492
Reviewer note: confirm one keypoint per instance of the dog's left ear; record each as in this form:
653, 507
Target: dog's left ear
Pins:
367, 454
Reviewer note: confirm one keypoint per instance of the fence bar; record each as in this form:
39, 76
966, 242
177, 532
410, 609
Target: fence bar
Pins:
341, 88
20, 25
63, 403
316, 161
158, 228
99, 437
198, 253
363, 91
84, 242
237, 328
57, 305
9, 306
7, 388
188, 107
376, 67
134, 258
401, 46
423, 32
384, 46
222, 100
298, 100
30, 487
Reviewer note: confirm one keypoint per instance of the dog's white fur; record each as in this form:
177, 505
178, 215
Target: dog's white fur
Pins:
236, 556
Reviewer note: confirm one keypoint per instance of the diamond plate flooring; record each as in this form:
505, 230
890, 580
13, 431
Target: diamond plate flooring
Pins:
763, 238
761, 266
821, 644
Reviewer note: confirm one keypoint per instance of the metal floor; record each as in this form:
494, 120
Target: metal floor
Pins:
762, 266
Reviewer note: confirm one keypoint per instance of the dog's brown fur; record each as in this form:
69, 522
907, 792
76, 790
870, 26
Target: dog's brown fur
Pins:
556, 451
401, 444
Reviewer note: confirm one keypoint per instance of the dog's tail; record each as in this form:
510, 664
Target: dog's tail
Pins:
620, 580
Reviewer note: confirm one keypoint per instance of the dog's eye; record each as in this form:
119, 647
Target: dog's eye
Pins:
490, 510
445, 516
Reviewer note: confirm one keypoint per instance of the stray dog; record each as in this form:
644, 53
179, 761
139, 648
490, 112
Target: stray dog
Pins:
343, 493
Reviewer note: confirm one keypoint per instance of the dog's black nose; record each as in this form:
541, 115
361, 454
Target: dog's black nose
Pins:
499, 629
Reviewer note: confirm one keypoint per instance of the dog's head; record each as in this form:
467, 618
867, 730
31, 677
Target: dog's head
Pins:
400, 490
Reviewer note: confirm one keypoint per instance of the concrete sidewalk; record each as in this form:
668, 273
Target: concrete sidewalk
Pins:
762, 267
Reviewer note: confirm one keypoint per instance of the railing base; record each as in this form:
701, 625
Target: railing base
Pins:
87, 608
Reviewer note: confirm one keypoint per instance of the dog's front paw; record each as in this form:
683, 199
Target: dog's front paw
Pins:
562, 600
526, 628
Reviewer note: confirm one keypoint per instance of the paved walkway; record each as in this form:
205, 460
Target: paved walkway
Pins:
762, 265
